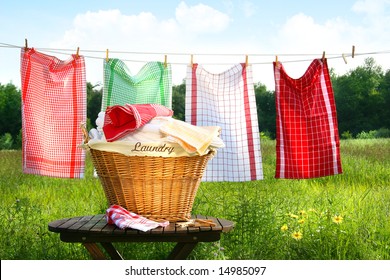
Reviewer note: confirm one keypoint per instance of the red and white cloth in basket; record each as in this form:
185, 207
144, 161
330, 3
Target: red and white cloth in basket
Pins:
307, 139
53, 107
122, 218
120, 120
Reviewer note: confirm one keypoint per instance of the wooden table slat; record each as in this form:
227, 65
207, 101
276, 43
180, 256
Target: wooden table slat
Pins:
226, 225
99, 225
171, 228
69, 223
80, 223
130, 231
157, 230
55, 226
91, 223
108, 229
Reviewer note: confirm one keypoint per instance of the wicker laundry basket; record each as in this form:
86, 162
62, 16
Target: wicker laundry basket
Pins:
159, 188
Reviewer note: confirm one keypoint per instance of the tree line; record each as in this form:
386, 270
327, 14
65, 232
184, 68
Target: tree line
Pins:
362, 99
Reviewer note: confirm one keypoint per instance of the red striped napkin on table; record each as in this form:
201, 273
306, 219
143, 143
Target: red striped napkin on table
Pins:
122, 218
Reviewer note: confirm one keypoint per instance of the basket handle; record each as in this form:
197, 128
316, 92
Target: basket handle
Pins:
83, 127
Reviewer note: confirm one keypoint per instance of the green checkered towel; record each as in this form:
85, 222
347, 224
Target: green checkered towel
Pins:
152, 84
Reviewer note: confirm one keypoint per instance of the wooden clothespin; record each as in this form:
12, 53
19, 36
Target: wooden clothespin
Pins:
77, 52
276, 61
323, 56
353, 51
25, 44
192, 60
345, 59
165, 61
246, 60
106, 55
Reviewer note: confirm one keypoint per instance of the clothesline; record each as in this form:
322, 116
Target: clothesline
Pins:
193, 56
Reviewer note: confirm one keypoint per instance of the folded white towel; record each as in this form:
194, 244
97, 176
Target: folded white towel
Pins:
194, 139
94, 134
100, 121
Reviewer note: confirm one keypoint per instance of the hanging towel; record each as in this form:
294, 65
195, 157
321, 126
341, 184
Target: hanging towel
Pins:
152, 84
227, 100
307, 142
122, 218
121, 120
53, 107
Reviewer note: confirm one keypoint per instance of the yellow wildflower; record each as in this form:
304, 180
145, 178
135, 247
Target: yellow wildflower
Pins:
297, 235
301, 221
293, 216
337, 219
302, 212
284, 228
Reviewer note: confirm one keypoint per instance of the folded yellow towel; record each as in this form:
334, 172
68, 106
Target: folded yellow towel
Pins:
193, 139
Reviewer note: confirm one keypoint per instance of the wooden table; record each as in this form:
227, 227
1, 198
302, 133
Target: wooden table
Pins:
92, 230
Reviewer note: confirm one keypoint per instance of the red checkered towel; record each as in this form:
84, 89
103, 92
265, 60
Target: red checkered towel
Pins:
53, 107
307, 143
124, 219
121, 120
227, 100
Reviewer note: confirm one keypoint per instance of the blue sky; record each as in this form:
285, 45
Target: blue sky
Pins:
261, 29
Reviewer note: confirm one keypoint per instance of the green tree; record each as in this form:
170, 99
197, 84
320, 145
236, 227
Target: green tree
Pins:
10, 111
384, 89
266, 111
178, 101
360, 105
94, 103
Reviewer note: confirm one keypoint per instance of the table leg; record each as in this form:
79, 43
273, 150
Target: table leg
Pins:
110, 249
182, 250
95, 251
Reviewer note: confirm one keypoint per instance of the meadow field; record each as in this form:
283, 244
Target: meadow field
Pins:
342, 217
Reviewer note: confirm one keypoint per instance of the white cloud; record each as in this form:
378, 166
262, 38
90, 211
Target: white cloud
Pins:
248, 8
376, 17
370, 7
301, 33
112, 29
143, 32
201, 18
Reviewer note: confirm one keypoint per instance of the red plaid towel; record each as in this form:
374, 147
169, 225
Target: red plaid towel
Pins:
124, 219
121, 120
227, 100
53, 107
307, 143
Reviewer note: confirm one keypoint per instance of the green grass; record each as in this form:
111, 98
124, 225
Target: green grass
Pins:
361, 196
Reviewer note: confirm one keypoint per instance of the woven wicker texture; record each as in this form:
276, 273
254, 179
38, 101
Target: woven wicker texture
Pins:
158, 188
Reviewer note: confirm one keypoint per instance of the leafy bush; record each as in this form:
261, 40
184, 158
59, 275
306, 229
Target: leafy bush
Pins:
346, 135
382, 133
265, 135
366, 135
6, 141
